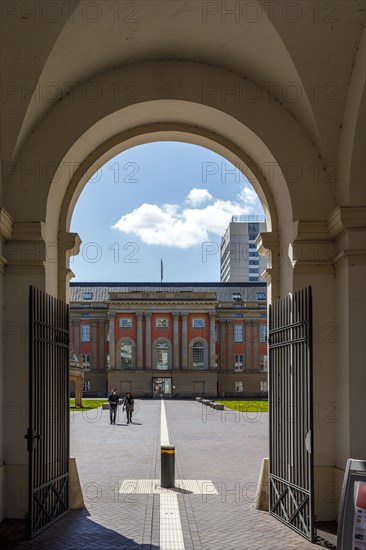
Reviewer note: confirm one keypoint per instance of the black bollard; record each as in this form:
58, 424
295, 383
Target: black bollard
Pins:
167, 453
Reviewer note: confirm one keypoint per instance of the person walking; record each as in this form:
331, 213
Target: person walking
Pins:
113, 400
129, 405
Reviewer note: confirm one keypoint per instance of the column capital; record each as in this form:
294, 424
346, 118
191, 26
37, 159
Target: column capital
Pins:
175, 314
139, 315
148, 314
111, 314
212, 315
184, 315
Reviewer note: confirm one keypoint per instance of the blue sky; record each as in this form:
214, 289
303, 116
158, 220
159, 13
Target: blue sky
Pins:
164, 200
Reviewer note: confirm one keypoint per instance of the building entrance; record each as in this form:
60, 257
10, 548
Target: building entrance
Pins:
162, 387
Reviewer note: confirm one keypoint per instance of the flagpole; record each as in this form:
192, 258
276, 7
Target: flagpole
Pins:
161, 270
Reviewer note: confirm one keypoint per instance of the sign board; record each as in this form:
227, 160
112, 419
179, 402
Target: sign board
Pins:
352, 510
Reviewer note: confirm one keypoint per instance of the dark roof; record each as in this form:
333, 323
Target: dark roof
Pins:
224, 291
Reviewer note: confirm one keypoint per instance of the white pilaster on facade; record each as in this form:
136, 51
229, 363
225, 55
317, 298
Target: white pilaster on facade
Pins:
212, 363
148, 341
175, 340
112, 342
184, 341
139, 340
223, 362
93, 359
230, 338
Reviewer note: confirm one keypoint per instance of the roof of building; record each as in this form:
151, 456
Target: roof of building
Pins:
224, 291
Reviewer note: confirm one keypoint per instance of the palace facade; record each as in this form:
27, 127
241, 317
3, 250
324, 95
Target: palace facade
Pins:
171, 339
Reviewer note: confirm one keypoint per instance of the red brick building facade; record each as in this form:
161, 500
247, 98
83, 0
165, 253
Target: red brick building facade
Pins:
177, 339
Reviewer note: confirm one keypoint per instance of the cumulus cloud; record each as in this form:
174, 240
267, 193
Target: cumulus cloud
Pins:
249, 196
198, 196
172, 225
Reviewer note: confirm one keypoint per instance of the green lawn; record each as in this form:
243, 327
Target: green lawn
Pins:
87, 404
246, 406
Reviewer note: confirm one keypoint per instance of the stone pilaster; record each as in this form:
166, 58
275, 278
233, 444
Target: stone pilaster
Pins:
93, 359
230, 338
112, 341
212, 360
76, 323
256, 341
101, 344
248, 344
223, 361
184, 341
139, 341
175, 340
148, 341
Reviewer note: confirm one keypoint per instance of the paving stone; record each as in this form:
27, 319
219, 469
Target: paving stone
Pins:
224, 447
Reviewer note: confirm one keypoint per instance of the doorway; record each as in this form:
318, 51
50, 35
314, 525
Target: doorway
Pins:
162, 387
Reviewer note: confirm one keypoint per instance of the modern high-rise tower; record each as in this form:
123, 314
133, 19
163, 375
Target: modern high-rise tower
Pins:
239, 260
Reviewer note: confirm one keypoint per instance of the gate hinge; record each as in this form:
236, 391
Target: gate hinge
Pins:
308, 441
31, 438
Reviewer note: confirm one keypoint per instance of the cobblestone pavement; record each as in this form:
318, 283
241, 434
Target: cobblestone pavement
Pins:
224, 447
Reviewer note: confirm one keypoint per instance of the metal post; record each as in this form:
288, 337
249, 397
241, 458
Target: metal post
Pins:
167, 453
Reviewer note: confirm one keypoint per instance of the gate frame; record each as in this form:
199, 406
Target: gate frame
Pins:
49, 306
309, 436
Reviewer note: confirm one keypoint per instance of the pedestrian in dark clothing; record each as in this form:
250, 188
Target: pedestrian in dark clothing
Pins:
129, 405
113, 402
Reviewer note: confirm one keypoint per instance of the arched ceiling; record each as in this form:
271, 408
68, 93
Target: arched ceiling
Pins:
302, 54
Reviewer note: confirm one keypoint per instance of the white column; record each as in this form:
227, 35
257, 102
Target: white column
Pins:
112, 342
184, 341
212, 341
175, 340
148, 341
139, 340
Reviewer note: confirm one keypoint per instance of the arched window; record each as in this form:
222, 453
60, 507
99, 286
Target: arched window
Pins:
198, 356
162, 356
126, 356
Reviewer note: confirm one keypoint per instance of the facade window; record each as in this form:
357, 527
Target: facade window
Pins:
253, 254
264, 363
237, 297
239, 386
161, 323
125, 323
126, 356
253, 270
86, 361
263, 333
198, 356
261, 296
85, 315
253, 262
162, 356
86, 386
85, 333
87, 296
216, 333
264, 386
239, 333
252, 245
253, 279
239, 362
198, 323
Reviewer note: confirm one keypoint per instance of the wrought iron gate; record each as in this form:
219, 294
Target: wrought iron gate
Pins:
291, 412
48, 432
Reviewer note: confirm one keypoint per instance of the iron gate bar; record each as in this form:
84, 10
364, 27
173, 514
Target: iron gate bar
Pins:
291, 412
48, 432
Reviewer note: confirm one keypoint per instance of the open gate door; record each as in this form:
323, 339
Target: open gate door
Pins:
291, 412
48, 432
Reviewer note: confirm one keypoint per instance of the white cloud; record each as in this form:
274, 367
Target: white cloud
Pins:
169, 225
248, 196
198, 196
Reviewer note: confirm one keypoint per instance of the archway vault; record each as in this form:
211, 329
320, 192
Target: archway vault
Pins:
171, 100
